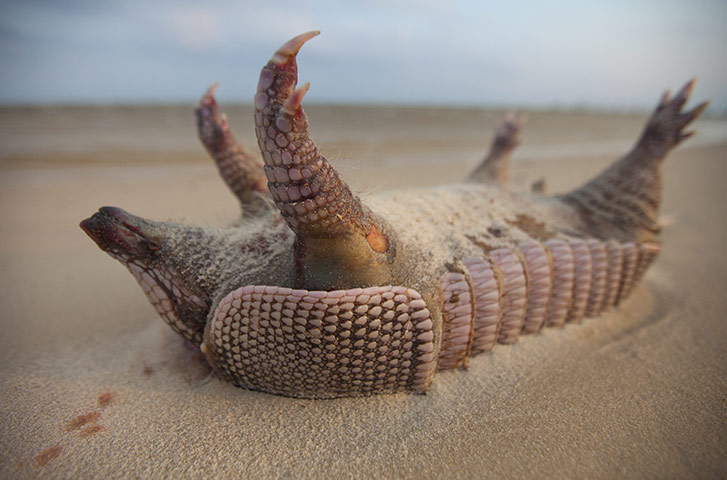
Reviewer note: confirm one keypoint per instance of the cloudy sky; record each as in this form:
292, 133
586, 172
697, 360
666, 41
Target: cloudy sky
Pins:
612, 53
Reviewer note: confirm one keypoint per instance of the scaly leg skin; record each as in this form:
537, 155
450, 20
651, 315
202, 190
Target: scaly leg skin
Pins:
623, 202
241, 170
341, 242
495, 168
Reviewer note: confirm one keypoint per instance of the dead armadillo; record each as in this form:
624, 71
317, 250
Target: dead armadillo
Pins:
317, 294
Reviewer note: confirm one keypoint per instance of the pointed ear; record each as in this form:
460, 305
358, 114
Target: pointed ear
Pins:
308, 191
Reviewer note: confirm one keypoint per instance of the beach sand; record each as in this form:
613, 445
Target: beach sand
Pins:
94, 385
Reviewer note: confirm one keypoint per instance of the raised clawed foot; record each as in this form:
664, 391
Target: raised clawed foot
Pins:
665, 128
623, 201
495, 168
507, 133
241, 170
207, 117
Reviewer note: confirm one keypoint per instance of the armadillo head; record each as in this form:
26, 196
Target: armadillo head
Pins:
143, 247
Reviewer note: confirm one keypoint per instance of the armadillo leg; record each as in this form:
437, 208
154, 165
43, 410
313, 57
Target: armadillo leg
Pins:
627, 195
495, 167
239, 168
340, 241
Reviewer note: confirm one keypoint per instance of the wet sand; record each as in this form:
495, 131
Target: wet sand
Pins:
94, 385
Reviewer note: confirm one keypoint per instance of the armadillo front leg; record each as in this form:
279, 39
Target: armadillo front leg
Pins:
241, 170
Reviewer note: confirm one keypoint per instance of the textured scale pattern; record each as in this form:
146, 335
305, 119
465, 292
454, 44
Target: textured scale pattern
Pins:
486, 291
563, 272
461, 335
540, 284
599, 269
376, 339
316, 293
457, 316
582, 280
512, 293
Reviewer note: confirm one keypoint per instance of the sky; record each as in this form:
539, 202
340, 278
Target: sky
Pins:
615, 54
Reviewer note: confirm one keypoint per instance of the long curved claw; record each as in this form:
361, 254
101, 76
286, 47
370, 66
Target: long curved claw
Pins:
329, 220
290, 49
683, 95
239, 168
495, 167
323, 344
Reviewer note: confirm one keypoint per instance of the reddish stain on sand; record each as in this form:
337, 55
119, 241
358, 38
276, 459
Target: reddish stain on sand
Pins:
48, 455
91, 430
106, 399
81, 420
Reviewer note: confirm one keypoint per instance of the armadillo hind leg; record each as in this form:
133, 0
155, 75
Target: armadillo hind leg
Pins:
241, 170
495, 167
623, 201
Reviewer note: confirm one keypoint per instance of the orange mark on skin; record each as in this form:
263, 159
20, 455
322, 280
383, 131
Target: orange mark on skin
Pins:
377, 240
106, 399
82, 420
47, 455
91, 430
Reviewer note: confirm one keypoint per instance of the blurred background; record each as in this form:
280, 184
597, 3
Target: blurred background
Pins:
573, 54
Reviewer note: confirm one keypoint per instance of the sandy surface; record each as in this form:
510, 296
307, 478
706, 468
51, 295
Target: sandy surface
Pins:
94, 385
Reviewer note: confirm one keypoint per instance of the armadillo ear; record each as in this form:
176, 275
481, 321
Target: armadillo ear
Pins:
308, 191
323, 344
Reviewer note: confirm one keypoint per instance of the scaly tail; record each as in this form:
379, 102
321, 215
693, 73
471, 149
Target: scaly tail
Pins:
623, 201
